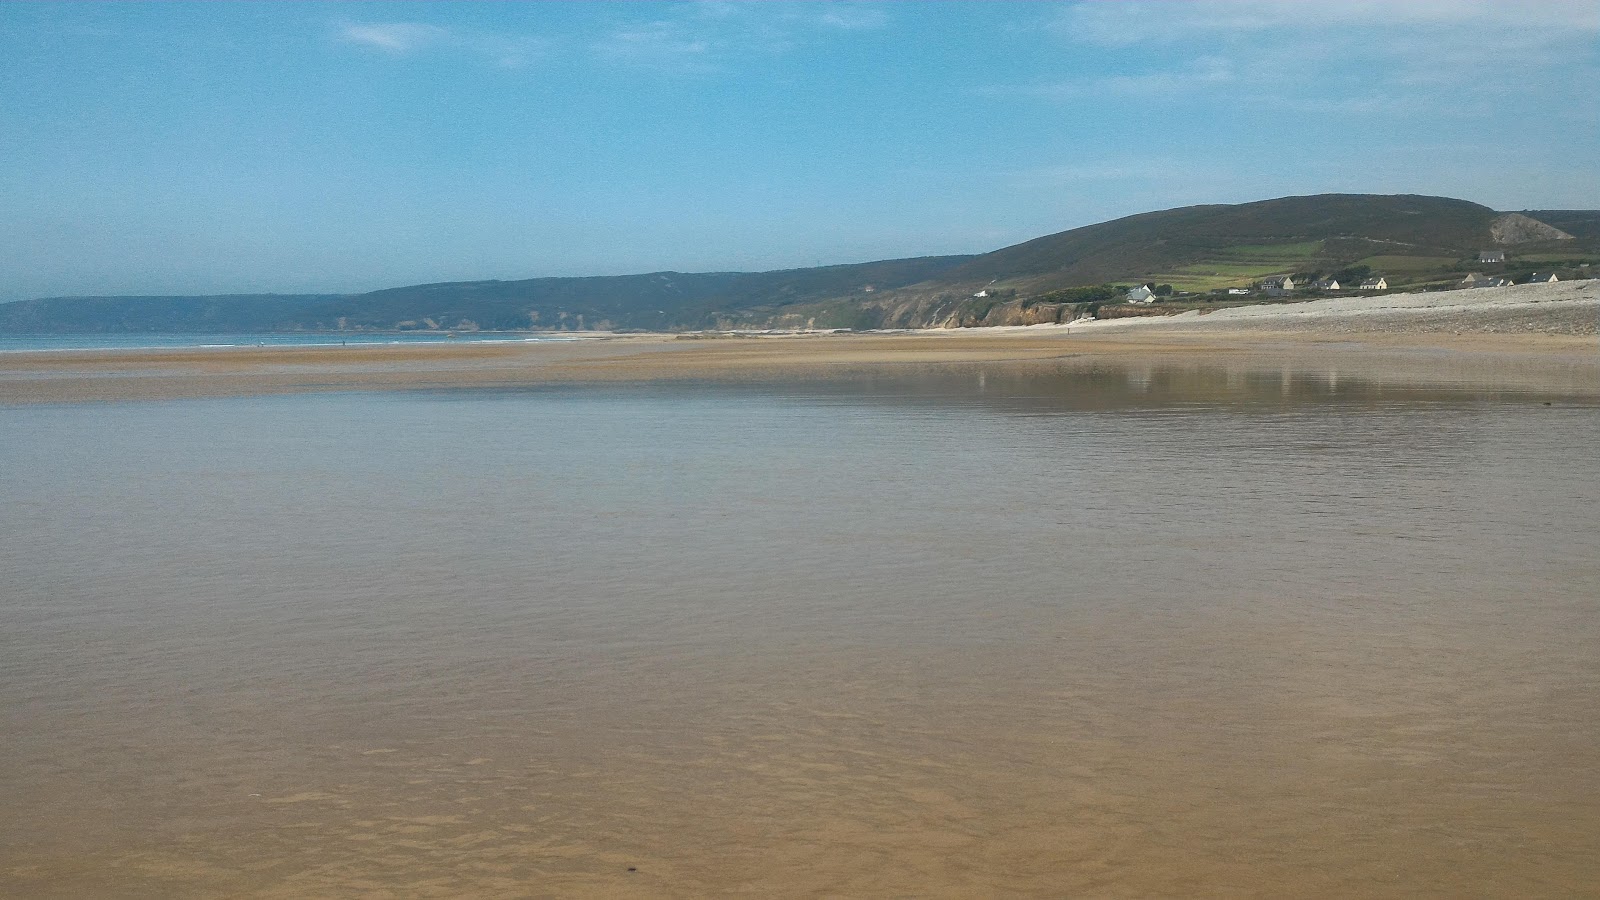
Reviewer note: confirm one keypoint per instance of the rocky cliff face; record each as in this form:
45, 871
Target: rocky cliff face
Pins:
944, 311
1516, 228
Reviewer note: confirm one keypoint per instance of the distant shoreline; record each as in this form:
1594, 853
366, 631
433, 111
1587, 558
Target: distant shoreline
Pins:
1537, 337
1470, 307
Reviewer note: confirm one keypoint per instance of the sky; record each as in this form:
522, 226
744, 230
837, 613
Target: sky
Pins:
181, 148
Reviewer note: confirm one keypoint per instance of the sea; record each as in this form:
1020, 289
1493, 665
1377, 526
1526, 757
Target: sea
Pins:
17, 342
1107, 631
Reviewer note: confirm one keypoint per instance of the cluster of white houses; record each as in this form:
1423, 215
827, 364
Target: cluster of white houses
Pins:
1276, 286
1492, 281
1494, 257
1283, 285
1280, 285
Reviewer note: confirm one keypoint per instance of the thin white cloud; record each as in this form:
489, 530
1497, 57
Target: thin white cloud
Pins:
401, 39
1353, 57
1204, 73
853, 17
1142, 21
708, 35
792, 16
661, 45
397, 38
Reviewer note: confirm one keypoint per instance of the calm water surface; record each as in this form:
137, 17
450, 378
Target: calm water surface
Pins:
1118, 633
16, 343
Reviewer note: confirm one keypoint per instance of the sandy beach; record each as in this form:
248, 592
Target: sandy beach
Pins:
1534, 337
1287, 600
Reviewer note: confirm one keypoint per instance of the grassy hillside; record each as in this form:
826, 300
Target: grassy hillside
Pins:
1583, 224
1202, 247
657, 301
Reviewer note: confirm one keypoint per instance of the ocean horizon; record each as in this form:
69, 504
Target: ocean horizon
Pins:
23, 343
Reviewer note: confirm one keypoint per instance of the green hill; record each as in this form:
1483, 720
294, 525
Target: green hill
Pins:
656, 301
1273, 231
1203, 247
1583, 224
229, 313
1411, 240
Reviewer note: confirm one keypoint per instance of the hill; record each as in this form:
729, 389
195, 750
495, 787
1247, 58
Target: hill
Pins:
223, 314
1414, 241
1247, 240
1411, 240
656, 301
1292, 228
1580, 223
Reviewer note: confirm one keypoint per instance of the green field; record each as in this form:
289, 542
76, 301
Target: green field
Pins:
1240, 266
1577, 257
1265, 253
1181, 281
1230, 268
1408, 265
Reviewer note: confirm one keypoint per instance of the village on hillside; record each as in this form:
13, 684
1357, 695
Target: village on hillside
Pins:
1354, 280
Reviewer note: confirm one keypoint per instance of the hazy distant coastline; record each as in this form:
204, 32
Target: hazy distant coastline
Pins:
1193, 258
1549, 329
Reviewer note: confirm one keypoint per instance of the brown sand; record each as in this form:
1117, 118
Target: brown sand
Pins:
801, 780
1528, 360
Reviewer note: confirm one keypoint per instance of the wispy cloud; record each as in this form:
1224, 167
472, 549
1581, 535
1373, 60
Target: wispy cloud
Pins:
398, 38
660, 45
1356, 57
710, 35
853, 17
1142, 21
402, 39
794, 16
1197, 75
703, 37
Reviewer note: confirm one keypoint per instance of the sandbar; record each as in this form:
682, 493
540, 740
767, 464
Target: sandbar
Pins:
1534, 337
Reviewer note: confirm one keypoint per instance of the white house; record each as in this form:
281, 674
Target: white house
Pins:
1141, 294
1375, 284
1476, 280
1491, 256
1543, 278
1278, 285
1327, 284
1238, 292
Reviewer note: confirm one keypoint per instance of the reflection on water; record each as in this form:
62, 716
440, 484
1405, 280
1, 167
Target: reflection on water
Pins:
1124, 631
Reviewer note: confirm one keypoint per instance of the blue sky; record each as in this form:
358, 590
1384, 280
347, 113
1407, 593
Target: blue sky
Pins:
211, 148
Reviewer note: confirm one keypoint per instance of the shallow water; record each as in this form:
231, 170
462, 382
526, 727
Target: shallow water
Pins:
1118, 632
19, 343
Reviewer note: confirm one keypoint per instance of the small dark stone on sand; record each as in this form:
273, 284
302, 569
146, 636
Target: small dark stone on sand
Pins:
632, 869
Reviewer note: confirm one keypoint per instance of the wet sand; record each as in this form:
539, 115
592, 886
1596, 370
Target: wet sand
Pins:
1528, 360
1198, 613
